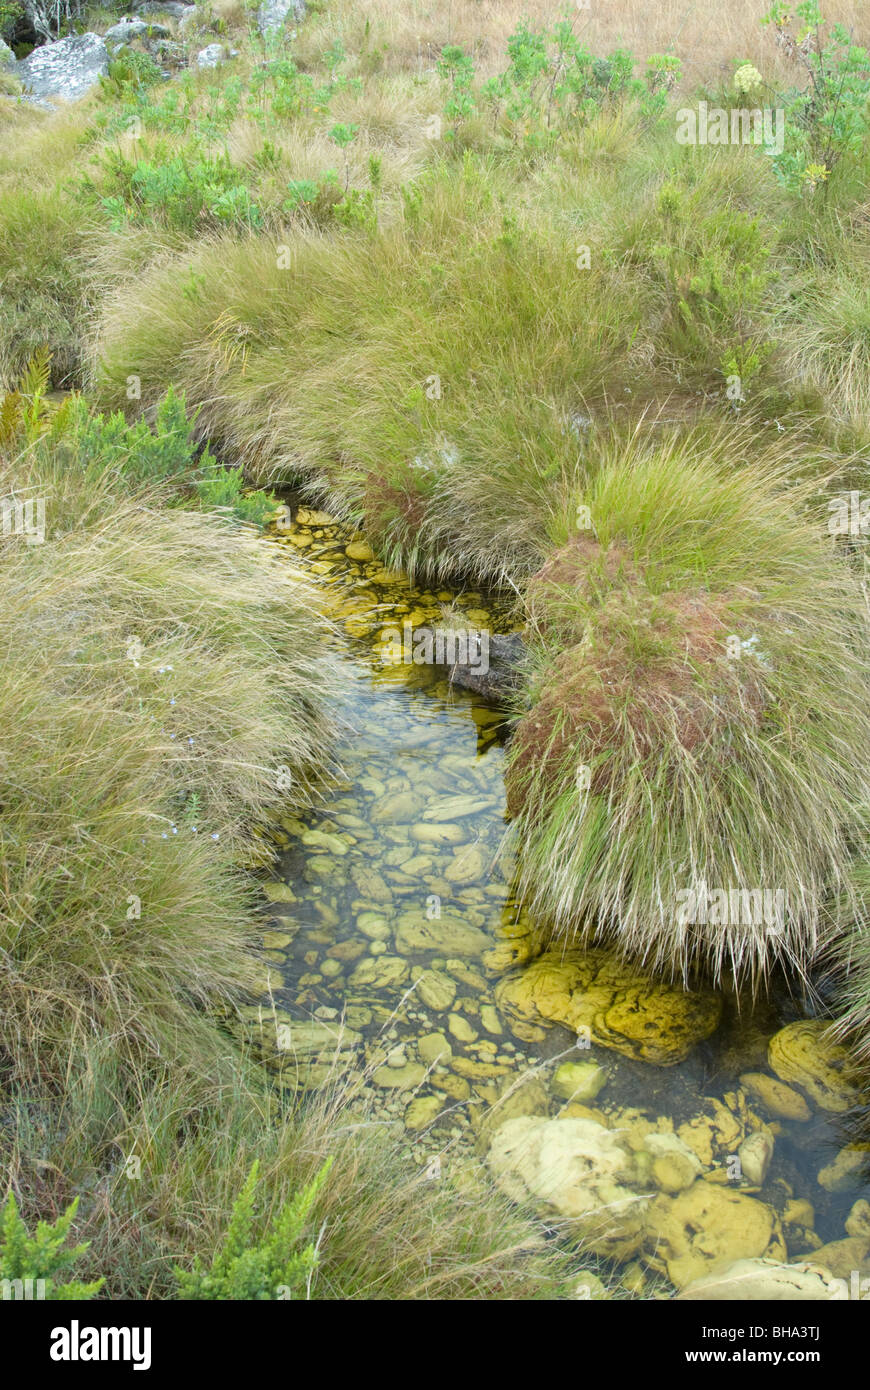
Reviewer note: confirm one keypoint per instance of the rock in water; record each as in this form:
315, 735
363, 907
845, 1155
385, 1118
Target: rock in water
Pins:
579, 1169
67, 69
594, 994
273, 14
804, 1054
765, 1281
707, 1228
504, 669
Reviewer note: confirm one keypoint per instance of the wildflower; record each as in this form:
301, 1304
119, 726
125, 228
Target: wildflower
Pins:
746, 78
813, 175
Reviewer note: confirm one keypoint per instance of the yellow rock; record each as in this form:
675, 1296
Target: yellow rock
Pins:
846, 1171
858, 1220
713, 1132
358, 550
707, 1228
423, 1111
620, 1007
775, 1096
801, 1052
454, 1086
842, 1256
578, 1169
306, 517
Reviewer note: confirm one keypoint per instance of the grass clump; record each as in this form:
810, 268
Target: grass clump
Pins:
701, 661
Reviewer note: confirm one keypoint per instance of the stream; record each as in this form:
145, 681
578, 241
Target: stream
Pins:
393, 931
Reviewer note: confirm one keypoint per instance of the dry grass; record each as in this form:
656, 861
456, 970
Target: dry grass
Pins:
410, 36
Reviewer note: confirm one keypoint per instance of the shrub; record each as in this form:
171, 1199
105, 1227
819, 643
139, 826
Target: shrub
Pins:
44, 1256
273, 1266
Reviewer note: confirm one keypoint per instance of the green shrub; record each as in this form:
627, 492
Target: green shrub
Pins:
44, 1256
829, 118
276, 1265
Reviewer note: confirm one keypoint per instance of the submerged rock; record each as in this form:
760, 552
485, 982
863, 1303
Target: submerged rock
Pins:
448, 935
776, 1097
503, 675
578, 1169
804, 1054
67, 69
705, 1229
755, 1154
579, 1081
846, 1172
615, 1005
763, 1280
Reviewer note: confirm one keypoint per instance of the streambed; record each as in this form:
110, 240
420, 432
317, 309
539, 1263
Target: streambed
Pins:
398, 948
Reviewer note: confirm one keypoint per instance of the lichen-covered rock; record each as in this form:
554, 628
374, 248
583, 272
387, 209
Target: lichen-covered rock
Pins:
66, 70
273, 15
129, 28
803, 1054
777, 1098
7, 57
211, 56
578, 1169
620, 1007
705, 1229
763, 1280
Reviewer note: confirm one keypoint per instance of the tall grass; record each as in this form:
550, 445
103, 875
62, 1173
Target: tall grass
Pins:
699, 691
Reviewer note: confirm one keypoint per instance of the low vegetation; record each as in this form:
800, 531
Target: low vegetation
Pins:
472, 293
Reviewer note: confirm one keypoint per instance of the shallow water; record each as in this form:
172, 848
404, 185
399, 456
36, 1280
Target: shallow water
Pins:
412, 833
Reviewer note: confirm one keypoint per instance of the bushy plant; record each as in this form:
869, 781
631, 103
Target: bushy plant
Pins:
829, 117
276, 1265
44, 1256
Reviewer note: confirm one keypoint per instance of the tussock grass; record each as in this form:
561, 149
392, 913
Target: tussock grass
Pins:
738, 773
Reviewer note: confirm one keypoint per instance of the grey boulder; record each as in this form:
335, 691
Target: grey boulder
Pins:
67, 69
129, 28
273, 14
